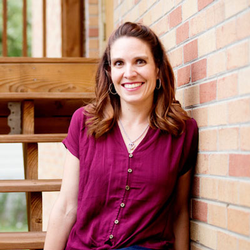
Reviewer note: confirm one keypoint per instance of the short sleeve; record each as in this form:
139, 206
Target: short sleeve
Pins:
190, 147
71, 142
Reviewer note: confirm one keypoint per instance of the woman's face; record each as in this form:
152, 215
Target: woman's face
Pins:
133, 71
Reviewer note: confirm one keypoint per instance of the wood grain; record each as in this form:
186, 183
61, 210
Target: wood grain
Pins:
30, 185
32, 138
72, 28
64, 78
24, 240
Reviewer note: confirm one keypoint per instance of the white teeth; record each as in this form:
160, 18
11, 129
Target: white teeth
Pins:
132, 85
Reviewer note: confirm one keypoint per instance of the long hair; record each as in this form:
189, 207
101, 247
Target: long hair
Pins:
166, 113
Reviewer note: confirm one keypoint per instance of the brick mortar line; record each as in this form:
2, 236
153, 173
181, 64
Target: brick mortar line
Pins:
226, 231
227, 177
223, 126
199, 244
215, 153
228, 152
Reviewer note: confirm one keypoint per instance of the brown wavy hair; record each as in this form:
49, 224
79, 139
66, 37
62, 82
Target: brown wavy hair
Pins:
166, 113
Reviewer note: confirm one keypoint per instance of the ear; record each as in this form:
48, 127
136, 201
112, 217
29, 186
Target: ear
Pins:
157, 72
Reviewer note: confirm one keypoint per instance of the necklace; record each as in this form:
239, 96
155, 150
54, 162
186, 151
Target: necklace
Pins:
131, 145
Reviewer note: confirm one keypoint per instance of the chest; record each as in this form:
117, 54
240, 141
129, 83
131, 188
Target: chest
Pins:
106, 167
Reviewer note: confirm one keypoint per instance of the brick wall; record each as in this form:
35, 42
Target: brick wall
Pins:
92, 28
208, 43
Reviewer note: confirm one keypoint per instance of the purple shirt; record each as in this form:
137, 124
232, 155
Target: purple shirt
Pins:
126, 199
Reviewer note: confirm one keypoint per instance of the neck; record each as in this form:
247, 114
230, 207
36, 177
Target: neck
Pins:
132, 114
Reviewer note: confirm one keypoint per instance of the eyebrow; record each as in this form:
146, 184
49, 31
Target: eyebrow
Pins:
137, 57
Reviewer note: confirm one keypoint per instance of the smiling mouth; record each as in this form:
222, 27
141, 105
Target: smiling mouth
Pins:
132, 85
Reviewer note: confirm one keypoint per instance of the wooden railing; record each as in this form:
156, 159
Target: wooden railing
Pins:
24, 25
72, 38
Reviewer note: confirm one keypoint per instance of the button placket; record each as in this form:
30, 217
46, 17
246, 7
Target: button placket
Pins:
122, 204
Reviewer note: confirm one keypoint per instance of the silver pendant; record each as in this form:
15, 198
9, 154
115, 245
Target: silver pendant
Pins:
131, 146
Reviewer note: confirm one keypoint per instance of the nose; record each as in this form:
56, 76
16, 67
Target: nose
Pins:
129, 71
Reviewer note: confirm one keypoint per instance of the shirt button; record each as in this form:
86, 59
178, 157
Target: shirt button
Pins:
130, 170
130, 155
111, 236
122, 205
116, 222
127, 187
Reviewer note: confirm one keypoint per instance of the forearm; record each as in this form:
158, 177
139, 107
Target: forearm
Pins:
181, 230
59, 227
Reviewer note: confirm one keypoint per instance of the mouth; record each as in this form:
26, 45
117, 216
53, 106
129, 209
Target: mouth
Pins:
132, 85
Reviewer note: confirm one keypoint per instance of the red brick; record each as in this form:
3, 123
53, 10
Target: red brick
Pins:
208, 92
191, 51
199, 210
239, 165
183, 76
176, 57
93, 32
199, 70
175, 17
203, 3
182, 33
195, 187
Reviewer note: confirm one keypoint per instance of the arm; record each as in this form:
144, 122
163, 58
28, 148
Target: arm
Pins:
63, 214
181, 212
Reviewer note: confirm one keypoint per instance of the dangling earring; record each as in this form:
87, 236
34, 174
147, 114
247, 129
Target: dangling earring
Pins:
158, 84
111, 88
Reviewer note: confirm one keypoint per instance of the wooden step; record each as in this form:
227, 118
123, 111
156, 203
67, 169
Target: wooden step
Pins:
20, 96
23, 240
32, 138
30, 185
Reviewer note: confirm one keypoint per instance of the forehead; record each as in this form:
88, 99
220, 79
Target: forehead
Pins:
129, 46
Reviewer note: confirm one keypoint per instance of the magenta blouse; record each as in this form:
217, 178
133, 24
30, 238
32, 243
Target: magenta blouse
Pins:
126, 199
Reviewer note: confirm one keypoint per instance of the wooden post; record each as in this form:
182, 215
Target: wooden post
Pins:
4, 41
25, 28
34, 199
44, 30
72, 28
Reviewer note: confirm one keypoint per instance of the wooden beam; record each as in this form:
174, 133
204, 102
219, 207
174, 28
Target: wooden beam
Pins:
72, 28
32, 138
25, 240
30, 185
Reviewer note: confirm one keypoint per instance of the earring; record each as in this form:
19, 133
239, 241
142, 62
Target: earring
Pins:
111, 88
158, 84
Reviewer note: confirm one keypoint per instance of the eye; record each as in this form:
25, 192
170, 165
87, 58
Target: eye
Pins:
118, 63
140, 62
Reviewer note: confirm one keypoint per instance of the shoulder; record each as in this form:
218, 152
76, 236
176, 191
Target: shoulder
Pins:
191, 125
79, 117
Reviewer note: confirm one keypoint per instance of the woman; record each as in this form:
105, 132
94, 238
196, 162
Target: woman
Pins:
130, 154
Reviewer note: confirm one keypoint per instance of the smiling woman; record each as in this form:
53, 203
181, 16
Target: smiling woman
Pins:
130, 155
133, 72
